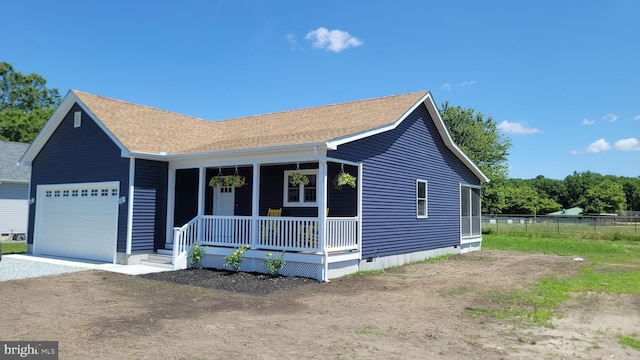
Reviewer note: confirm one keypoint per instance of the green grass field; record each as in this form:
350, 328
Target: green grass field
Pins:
614, 267
14, 248
584, 230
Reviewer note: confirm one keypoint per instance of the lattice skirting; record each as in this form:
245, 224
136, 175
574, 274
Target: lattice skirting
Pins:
291, 268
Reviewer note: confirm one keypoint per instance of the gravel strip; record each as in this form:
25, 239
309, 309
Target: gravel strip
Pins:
13, 269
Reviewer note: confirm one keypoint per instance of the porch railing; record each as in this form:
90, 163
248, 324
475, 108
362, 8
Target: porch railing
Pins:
273, 233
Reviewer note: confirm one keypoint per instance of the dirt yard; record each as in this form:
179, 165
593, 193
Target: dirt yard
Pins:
413, 312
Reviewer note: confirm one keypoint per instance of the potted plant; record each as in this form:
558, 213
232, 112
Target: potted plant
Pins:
298, 178
344, 178
228, 180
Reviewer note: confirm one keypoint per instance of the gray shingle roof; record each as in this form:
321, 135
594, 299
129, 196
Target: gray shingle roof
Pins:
10, 154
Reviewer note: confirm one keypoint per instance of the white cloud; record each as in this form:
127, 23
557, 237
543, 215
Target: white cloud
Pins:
576, 152
517, 128
332, 40
468, 83
291, 38
637, 117
630, 144
586, 121
610, 117
598, 146
446, 86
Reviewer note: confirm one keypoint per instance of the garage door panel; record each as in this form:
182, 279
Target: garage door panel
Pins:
77, 220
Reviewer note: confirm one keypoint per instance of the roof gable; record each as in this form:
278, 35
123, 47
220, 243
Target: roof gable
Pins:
143, 130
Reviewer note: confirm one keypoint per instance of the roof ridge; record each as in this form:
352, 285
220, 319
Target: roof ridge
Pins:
318, 106
139, 105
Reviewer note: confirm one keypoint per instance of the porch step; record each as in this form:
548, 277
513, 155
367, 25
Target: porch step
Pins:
160, 259
165, 252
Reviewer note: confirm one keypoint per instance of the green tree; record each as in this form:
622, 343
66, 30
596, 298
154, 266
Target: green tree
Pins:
604, 197
577, 185
25, 104
555, 190
631, 188
481, 140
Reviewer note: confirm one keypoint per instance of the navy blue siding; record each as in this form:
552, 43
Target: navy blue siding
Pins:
78, 155
343, 202
392, 161
186, 196
150, 205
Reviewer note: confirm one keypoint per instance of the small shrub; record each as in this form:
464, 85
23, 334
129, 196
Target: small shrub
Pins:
235, 259
274, 264
196, 253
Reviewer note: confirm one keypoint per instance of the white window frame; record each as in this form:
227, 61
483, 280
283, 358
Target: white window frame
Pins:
471, 219
425, 199
301, 202
77, 119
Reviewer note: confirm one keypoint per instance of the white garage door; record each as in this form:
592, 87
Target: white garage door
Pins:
77, 220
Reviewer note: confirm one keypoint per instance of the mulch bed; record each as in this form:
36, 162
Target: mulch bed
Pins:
240, 282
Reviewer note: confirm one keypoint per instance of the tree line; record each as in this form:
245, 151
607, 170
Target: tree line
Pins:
26, 103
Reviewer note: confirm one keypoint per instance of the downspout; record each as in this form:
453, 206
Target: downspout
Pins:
321, 213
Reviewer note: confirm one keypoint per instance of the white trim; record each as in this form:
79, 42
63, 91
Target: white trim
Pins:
427, 100
202, 183
40, 191
52, 124
301, 187
255, 200
77, 119
361, 177
426, 199
171, 196
132, 176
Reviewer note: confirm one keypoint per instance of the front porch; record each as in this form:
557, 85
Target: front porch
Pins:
316, 225
307, 253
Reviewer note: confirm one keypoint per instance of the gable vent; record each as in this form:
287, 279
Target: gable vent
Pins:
77, 119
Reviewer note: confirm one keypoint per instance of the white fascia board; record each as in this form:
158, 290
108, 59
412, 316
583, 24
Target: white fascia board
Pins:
47, 130
446, 137
241, 157
52, 124
427, 100
333, 144
12, 181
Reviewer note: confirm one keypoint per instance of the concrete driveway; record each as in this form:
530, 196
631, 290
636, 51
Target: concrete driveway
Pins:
23, 266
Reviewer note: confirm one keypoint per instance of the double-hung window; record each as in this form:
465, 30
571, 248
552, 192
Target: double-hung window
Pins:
301, 194
421, 199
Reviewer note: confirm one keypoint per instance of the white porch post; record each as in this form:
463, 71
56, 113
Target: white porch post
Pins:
255, 206
171, 195
132, 175
322, 203
359, 210
202, 172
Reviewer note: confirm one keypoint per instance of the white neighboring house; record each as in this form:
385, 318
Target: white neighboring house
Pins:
14, 191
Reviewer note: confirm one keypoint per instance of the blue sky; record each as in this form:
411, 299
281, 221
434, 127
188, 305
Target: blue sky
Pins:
561, 78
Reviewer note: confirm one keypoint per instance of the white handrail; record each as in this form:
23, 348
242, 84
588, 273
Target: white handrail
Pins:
274, 233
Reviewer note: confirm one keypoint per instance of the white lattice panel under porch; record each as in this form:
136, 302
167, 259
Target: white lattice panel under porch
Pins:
291, 268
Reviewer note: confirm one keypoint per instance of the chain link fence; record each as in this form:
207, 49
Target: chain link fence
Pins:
613, 227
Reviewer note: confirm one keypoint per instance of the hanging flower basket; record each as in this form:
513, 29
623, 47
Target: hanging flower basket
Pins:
344, 178
299, 178
227, 181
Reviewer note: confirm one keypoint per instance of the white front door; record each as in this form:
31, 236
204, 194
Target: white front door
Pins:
224, 204
224, 200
